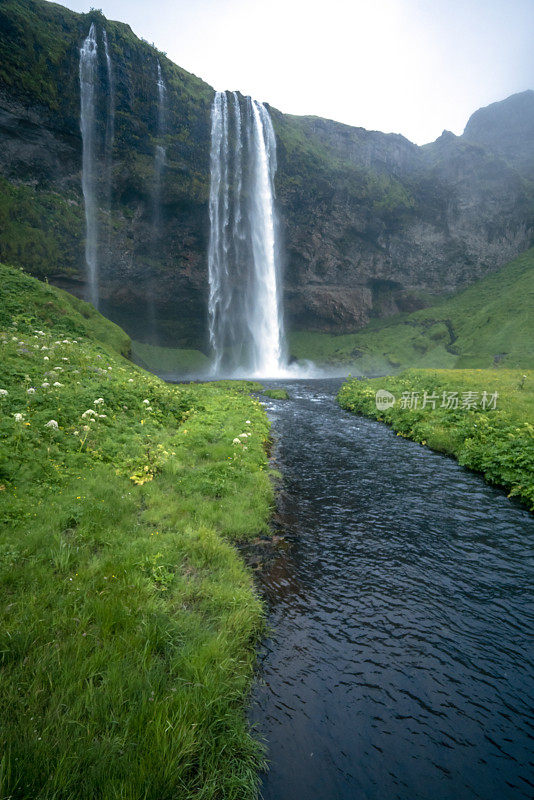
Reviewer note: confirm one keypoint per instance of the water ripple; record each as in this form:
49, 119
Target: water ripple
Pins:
400, 661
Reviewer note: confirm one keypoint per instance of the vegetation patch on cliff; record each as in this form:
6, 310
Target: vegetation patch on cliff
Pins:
129, 618
485, 418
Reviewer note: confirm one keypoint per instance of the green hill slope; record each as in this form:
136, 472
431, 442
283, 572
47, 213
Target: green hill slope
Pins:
489, 324
129, 619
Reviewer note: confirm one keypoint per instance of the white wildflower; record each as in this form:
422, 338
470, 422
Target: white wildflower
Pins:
89, 413
45, 358
3, 392
236, 441
102, 416
76, 433
86, 428
64, 358
45, 385
18, 417
52, 424
98, 401
130, 380
31, 390
57, 383
44, 347
248, 422
146, 402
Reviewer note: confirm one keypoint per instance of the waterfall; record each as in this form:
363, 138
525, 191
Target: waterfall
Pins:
110, 122
245, 319
159, 165
88, 77
160, 154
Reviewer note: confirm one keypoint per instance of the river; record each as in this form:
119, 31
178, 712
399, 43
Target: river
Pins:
397, 666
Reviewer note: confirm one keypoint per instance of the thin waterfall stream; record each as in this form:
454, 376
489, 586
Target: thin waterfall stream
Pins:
160, 153
88, 78
110, 123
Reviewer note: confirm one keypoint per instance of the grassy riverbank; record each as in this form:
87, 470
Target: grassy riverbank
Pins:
498, 442
129, 619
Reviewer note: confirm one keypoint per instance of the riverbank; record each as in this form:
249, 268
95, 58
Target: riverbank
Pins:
496, 441
130, 619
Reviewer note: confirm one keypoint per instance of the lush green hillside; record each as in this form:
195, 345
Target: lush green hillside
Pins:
485, 418
489, 324
129, 619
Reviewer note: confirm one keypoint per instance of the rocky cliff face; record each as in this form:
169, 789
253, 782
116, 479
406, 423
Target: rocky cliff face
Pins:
371, 223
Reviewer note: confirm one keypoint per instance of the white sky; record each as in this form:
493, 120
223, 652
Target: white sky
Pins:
406, 66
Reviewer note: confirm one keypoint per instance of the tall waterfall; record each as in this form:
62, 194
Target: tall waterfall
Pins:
110, 122
245, 319
88, 77
159, 165
159, 158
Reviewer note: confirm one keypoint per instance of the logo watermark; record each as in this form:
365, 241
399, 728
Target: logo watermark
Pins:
384, 399
465, 401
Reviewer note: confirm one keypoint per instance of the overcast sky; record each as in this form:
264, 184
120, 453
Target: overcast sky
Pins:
413, 67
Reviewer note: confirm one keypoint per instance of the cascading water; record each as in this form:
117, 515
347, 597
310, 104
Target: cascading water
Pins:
246, 326
110, 122
160, 154
88, 76
159, 165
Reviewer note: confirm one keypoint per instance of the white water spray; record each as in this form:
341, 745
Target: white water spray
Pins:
245, 320
88, 76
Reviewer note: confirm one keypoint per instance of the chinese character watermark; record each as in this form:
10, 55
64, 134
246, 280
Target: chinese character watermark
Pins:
466, 401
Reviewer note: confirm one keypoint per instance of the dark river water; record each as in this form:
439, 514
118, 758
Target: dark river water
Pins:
399, 658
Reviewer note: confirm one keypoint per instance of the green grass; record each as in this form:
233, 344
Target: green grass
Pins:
490, 323
42, 230
170, 360
276, 394
130, 621
498, 442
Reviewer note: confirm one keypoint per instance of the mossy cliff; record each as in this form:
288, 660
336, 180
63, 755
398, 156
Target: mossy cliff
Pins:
371, 223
